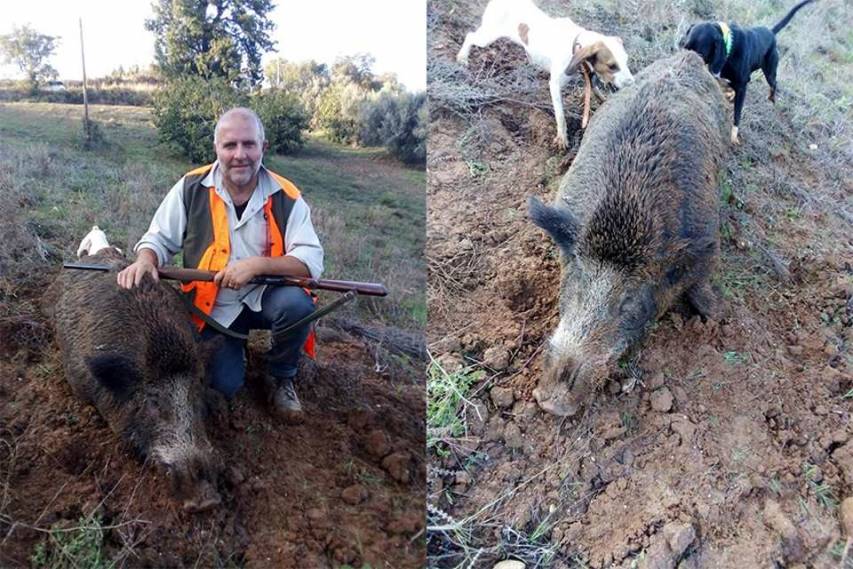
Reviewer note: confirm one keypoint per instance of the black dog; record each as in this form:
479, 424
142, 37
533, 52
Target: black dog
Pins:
733, 53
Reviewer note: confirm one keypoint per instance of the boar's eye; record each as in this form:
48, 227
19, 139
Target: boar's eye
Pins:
629, 306
634, 312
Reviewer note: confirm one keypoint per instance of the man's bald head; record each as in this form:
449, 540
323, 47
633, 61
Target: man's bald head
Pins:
240, 113
239, 145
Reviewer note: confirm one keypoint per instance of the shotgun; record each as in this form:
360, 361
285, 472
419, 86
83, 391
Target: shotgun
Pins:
187, 275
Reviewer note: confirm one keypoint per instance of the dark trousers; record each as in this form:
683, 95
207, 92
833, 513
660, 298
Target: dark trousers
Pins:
280, 307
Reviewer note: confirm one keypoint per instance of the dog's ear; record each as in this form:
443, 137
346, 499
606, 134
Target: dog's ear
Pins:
583, 54
718, 57
682, 43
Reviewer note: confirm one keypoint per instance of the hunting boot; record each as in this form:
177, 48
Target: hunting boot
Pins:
285, 403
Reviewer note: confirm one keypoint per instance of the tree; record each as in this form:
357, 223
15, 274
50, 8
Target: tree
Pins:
29, 50
357, 69
306, 80
398, 121
185, 113
212, 38
284, 118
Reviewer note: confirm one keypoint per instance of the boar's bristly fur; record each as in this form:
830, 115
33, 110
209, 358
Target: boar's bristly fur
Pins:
134, 355
637, 221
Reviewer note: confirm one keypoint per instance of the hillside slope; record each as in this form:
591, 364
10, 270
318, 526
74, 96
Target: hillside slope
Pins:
734, 448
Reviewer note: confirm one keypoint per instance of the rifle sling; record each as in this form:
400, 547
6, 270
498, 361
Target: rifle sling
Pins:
210, 321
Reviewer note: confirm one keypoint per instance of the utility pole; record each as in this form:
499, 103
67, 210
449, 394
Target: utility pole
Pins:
87, 129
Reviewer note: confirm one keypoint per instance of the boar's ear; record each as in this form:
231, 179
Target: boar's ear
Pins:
116, 373
559, 223
686, 252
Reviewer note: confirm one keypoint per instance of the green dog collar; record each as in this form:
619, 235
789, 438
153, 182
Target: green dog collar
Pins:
727, 37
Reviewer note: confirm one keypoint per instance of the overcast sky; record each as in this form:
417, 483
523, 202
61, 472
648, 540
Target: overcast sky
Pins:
393, 31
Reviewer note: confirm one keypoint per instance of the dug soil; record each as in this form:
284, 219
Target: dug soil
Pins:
345, 487
733, 448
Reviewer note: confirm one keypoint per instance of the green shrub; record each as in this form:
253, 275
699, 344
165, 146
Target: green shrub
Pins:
398, 122
339, 111
74, 96
185, 113
284, 118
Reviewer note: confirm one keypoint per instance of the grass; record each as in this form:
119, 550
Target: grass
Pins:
838, 548
733, 358
71, 548
368, 208
821, 490
629, 421
775, 486
464, 551
370, 212
446, 399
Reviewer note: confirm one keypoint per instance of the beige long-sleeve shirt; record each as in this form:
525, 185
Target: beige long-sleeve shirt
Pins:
248, 237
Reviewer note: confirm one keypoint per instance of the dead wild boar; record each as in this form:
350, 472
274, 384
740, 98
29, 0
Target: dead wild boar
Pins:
133, 355
636, 220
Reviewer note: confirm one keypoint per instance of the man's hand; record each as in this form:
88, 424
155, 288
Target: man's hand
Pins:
238, 273
131, 276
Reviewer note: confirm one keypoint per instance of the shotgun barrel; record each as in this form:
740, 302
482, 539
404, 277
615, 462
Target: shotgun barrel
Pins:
188, 275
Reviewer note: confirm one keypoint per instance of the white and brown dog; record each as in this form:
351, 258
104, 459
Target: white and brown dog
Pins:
93, 242
556, 45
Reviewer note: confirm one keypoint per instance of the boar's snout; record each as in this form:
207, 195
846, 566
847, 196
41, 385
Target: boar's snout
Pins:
205, 498
193, 482
566, 384
557, 400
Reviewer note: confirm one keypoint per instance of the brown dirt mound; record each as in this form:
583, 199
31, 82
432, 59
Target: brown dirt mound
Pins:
345, 487
734, 447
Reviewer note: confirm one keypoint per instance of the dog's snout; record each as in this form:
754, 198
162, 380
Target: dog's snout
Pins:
622, 80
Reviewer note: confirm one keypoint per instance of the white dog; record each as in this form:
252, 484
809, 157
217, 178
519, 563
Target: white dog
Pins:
93, 242
556, 45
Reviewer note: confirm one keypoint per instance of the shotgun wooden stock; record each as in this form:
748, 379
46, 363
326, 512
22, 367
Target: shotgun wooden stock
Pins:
187, 275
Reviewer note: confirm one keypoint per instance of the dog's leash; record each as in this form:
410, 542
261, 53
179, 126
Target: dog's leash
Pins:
587, 87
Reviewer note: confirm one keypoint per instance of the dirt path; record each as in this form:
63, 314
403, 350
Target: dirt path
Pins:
733, 449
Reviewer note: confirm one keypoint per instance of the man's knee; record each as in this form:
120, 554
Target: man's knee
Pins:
303, 307
226, 362
289, 304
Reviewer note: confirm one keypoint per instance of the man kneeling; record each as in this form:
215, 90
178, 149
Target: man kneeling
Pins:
241, 220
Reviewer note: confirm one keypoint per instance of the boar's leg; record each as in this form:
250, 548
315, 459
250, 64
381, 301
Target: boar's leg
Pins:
702, 299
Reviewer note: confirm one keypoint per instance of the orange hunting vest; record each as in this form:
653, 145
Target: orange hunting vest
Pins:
207, 244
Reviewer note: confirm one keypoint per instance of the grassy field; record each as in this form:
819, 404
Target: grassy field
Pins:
368, 209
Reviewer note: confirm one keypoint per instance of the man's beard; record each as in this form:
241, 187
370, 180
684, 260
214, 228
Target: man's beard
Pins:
241, 176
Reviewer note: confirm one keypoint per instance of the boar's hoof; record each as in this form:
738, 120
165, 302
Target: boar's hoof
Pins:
205, 498
703, 300
557, 401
